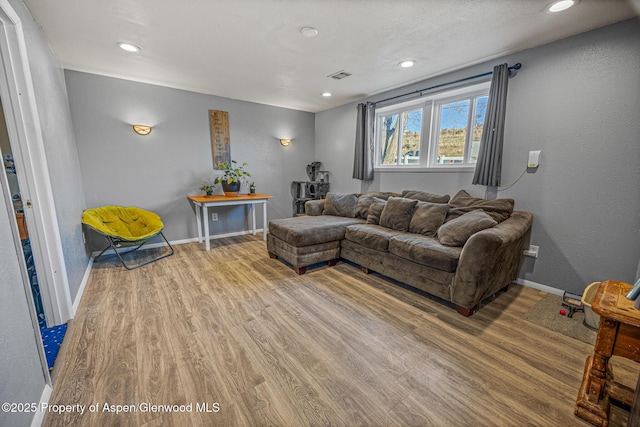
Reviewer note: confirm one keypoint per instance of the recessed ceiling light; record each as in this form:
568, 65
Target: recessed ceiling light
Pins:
326, 94
129, 47
408, 63
309, 32
561, 5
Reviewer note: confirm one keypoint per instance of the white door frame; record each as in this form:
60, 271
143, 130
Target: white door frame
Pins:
25, 134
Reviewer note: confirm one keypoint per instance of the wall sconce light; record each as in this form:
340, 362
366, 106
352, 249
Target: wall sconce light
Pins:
285, 142
142, 129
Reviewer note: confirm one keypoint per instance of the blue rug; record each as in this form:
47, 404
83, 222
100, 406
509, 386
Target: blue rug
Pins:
52, 339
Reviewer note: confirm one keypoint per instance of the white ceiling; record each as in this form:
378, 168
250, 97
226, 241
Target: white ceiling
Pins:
253, 50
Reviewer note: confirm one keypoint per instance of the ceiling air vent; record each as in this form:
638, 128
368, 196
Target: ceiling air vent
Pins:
339, 75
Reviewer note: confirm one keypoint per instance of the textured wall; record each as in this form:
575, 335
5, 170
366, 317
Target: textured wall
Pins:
159, 170
577, 101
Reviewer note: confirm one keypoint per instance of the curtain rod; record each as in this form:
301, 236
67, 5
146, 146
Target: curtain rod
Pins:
513, 67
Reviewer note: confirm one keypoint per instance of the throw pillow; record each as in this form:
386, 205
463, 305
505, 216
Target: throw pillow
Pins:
340, 205
365, 200
423, 196
374, 211
463, 202
397, 213
456, 232
427, 218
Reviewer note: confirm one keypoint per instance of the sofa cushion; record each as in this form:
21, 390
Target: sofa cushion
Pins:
370, 236
375, 210
456, 232
397, 213
365, 200
314, 207
423, 196
340, 205
426, 251
310, 230
463, 202
427, 218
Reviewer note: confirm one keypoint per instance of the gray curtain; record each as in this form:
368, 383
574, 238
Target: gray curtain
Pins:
364, 150
489, 166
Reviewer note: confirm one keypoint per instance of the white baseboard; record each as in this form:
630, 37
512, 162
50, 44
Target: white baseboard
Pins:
83, 284
38, 416
150, 246
540, 287
184, 241
235, 233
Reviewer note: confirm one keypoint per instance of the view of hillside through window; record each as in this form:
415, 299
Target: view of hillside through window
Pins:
455, 120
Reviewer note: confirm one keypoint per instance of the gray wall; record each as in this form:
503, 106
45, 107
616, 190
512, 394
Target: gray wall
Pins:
577, 101
60, 147
159, 170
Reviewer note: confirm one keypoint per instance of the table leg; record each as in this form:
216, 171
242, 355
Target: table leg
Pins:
205, 219
264, 220
593, 399
199, 221
603, 350
253, 218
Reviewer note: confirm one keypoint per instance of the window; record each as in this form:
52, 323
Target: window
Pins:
400, 147
439, 131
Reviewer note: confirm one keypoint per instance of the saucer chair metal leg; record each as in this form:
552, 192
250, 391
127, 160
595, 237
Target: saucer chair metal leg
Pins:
114, 244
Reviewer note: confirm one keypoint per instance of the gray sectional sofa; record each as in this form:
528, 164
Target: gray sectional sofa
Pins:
461, 249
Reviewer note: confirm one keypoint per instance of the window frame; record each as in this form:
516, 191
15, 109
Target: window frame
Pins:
431, 106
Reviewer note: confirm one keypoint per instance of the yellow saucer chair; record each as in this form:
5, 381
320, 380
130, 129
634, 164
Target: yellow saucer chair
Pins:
125, 227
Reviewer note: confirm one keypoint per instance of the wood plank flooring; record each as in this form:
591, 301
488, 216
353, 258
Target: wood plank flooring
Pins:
241, 340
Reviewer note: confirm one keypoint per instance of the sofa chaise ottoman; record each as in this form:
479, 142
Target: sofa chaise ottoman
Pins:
305, 240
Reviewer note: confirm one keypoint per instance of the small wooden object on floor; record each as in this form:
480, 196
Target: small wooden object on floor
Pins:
619, 335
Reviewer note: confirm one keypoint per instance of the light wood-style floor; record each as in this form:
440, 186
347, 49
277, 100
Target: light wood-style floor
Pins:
234, 328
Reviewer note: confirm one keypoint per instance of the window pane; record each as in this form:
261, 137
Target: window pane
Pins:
411, 129
478, 125
454, 119
389, 139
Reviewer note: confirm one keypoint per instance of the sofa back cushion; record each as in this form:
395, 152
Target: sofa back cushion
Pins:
375, 210
463, 202
340, 205
365, 200
423, 196
457, 231
397, 213
427, 218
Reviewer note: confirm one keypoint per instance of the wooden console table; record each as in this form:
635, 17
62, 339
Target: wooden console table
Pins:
202, 203
618, 335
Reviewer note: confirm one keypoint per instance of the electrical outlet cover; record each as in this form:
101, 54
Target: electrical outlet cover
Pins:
534, 158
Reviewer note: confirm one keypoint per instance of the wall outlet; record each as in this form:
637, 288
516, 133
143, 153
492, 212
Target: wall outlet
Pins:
532, 251
214, 216
534, 158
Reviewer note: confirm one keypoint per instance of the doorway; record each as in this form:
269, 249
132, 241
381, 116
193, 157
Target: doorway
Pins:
51, 336
27, 146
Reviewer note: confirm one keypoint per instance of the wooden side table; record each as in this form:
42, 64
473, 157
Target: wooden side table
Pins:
619, 335
205, 202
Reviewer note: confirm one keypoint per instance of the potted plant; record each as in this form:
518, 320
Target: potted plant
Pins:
252, 188
208, 189
232, 177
